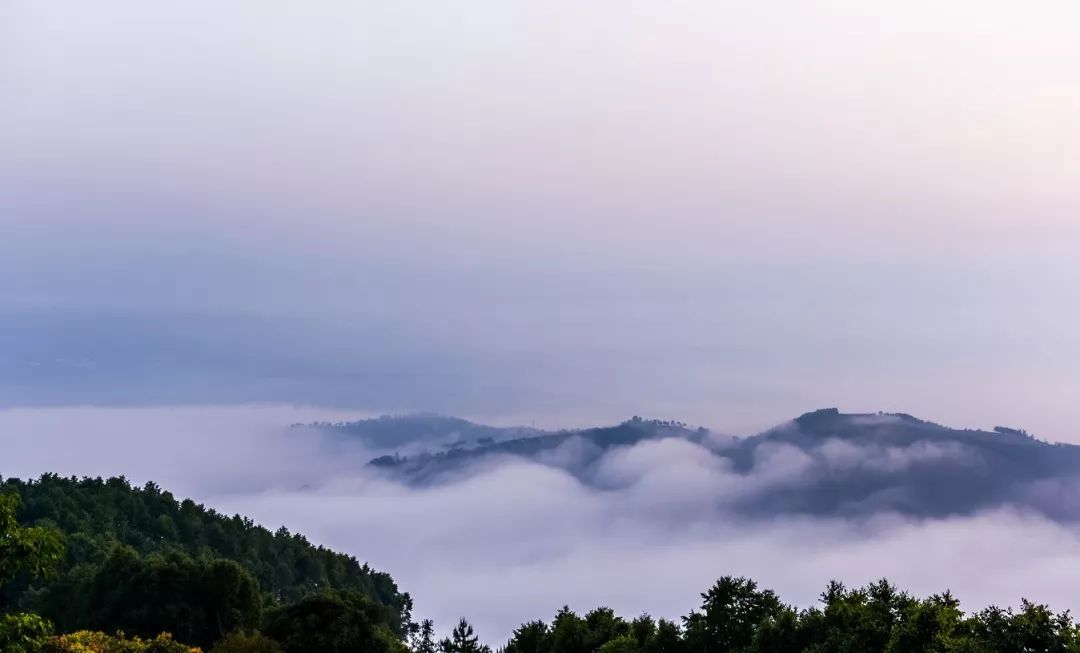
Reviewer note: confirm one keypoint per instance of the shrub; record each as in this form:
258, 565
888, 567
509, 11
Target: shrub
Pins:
23, 633
86, 641
245, 642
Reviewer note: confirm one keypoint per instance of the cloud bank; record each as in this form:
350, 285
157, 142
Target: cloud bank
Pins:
510, 539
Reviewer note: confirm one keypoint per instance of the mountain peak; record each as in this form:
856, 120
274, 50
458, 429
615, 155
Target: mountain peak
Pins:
815, 416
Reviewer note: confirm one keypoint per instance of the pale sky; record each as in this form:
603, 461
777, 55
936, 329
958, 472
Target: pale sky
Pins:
721, 212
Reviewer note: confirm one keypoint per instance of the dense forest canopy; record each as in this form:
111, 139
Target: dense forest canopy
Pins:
139, 560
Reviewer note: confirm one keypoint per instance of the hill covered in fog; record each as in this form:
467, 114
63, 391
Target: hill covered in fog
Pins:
821, 463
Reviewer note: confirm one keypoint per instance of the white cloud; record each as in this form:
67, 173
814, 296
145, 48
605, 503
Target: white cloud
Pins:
512, 540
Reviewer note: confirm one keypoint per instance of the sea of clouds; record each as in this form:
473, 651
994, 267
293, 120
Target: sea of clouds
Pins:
509, 540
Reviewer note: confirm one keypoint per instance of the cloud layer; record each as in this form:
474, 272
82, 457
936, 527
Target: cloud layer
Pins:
510, 539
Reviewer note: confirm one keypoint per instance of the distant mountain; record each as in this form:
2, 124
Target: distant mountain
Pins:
821, 463
574, 450
866, 463
398, 432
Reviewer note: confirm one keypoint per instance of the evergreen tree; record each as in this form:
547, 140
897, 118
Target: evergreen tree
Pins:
463, 640
423, 638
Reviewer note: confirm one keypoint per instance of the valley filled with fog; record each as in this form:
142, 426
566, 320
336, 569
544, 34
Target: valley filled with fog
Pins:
639, 517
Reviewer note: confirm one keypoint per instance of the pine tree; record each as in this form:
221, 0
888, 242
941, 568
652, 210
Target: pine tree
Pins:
423, 638
463, 640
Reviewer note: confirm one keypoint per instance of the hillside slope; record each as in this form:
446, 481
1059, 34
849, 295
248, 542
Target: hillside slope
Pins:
96, 517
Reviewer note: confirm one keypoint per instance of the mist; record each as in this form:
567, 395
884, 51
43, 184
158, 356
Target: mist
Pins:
508, 539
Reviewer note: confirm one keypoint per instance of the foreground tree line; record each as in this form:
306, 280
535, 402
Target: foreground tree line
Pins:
112, 528
99, 565
736, 616
91, 566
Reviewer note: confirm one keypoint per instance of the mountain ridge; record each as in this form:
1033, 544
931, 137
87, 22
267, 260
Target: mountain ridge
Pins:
823, 462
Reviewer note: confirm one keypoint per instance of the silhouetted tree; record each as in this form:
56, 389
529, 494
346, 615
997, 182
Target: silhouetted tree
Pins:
423, 638
463, 640
732, 609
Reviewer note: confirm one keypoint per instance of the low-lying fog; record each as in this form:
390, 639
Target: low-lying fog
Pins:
514, 540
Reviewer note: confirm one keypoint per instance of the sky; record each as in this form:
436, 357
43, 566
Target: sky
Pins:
722, 212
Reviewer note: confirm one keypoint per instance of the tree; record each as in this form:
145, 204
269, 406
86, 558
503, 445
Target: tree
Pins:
35, 552
643, 630
229, 596
858, 619
199, 601
23, 633
668, 638
531, 637
463, 640
604, 626
333, 622
569, 633
95, 515
927, 626
732, 610
620, 644
779, 634
423, 638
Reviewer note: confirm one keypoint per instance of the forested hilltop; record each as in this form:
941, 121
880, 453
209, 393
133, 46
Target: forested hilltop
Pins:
854, 465
137, 559
99, 566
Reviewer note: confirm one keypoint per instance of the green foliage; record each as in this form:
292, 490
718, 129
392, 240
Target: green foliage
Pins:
98, 516
246, 642
668, 638
34, 551
423, 637
620, 644
531, 637
28, 552
732, 610
736, 616
97, 642
643, 630
23, 633
463, 640
569, 633
604, 626
778, 633
333, 622
198, 600
930, 626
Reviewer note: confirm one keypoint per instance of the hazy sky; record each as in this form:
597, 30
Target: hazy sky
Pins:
724, 212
